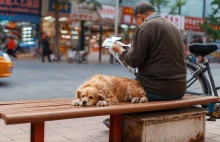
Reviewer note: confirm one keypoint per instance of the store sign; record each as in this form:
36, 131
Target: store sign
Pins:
64, 7
107, 12
30, 7
82, 12
20, 17
193, 23
176, 20
127, 16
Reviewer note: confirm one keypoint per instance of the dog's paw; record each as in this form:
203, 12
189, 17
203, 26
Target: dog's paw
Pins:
76, 102
143, 100
102, 103
135, 100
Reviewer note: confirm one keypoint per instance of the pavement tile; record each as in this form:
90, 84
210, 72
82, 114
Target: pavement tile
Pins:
215, 138
4, 138
80, 128
84, 139
217, 131
23, 140
212, 127
63, 130
208, 140
12, 131
74, 134
101, 134
210, 135
98, 126
20, 136
54, 138
7, 127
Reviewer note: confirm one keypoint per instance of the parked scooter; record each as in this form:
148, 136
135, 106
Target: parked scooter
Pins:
77, 56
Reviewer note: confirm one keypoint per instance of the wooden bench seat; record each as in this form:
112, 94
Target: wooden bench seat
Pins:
37, 112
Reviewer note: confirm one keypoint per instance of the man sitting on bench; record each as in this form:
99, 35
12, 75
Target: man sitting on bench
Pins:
158, 53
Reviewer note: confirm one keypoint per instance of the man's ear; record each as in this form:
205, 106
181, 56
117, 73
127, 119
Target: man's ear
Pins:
78, 94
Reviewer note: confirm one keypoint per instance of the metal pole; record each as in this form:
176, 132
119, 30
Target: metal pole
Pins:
204, 8
116, 18
100, 44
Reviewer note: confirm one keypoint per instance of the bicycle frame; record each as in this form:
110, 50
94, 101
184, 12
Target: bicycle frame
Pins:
203, 70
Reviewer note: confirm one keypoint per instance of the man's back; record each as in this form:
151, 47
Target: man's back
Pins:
164, 72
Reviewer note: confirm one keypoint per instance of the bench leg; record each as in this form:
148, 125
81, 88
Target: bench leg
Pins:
37, 132
115, 133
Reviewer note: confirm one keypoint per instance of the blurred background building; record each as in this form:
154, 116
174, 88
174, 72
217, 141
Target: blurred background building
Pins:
81, 28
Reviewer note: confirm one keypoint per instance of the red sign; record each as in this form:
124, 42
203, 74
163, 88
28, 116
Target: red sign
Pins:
193, 23
127, 16
21, 6
88, 17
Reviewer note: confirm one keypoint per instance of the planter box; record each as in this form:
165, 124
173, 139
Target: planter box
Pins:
179, 125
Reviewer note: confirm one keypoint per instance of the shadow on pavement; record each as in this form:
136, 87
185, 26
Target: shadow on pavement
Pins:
4, 84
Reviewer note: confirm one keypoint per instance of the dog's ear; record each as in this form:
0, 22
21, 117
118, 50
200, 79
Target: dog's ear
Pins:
78, 94
101, 97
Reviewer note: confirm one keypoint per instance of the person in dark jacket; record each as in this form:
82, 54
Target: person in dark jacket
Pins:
158, 53
46, 51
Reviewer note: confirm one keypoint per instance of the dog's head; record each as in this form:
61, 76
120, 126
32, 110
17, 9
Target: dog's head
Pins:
89, 96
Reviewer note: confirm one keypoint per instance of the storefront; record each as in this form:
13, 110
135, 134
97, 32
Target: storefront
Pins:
20, 19
128, 26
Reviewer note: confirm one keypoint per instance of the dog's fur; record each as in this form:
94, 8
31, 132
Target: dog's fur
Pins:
102, 90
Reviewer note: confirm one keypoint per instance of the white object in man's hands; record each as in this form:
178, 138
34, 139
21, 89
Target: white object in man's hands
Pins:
110, 41
108, 44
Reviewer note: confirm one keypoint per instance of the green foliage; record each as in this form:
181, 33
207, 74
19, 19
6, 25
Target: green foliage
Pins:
177, 6
159, 3
212, 23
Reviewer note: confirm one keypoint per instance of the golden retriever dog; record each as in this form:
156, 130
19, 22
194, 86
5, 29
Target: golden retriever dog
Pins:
103, 90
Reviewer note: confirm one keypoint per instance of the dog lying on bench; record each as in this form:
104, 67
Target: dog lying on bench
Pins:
102, 90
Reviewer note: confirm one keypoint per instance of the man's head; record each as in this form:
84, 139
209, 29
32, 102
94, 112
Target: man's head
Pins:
141, 11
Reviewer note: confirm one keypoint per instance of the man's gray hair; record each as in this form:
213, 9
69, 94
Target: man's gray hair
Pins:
143, 7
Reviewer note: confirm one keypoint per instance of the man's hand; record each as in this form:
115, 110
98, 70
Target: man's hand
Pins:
117, 48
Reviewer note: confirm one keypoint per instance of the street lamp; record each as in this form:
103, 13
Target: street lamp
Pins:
116, 18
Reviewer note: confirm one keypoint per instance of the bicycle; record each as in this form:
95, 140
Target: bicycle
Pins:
197, 82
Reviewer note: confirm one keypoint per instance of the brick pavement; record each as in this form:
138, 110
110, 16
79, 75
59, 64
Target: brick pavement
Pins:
90, 129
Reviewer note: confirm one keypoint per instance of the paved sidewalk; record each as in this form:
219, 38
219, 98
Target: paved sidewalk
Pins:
90, 129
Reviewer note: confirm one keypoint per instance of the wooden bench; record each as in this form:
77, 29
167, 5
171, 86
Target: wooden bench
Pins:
37, 112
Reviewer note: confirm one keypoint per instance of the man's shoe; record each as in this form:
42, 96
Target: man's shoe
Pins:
107, 122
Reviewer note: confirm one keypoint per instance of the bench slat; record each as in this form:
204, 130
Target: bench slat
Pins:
32, 101
121, 108
31, 105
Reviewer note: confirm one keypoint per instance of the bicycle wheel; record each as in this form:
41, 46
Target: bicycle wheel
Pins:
218, 91
198, 85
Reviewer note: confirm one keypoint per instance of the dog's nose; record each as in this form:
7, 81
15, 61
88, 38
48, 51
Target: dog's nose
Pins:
84, 103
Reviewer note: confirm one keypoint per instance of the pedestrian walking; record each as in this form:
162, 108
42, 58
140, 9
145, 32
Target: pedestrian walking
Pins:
11, 47
46, 51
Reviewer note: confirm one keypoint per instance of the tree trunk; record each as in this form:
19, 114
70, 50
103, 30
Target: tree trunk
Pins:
57, 29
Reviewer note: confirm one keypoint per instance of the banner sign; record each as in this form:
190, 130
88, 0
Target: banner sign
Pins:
107, 13
193, 23
127, 16
177, 20
31, 7
19, 17
64, 7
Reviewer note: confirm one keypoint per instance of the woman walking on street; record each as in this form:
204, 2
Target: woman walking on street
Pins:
46, 47
11, 47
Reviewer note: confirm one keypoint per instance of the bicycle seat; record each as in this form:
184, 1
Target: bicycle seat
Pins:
199, 49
